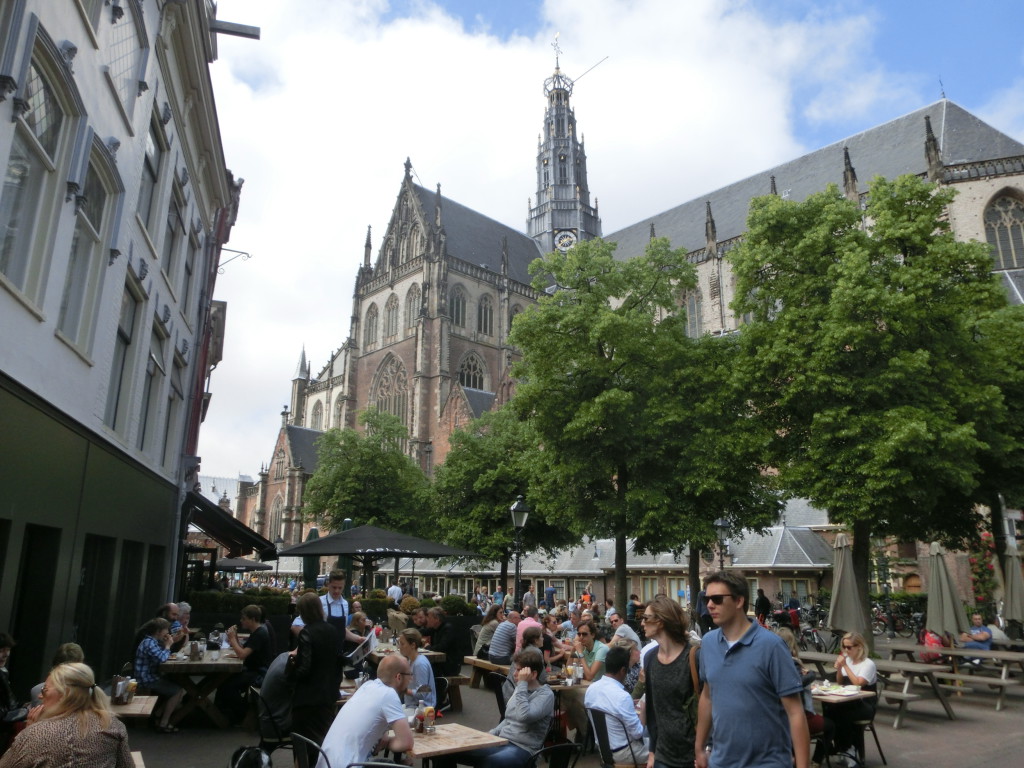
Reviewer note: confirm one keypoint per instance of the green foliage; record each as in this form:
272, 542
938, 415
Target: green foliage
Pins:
427, 602
211, 601
367, 477
643, 433
408, 605
376, 608
378, 594
456, 605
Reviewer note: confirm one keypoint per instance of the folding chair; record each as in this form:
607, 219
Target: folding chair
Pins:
301, 746
557, 756
443, 701
496, 681
272, 736
599, 725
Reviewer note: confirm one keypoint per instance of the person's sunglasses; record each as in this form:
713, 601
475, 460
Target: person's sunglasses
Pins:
583, 634
645, 617
716, 599
848, 647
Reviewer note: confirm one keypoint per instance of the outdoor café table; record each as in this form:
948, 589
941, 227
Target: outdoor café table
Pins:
841, 696
910, 670
139, 706
451, 738
199, 693
377, 655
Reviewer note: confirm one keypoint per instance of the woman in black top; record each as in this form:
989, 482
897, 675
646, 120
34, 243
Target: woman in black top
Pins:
671, 701
315, 672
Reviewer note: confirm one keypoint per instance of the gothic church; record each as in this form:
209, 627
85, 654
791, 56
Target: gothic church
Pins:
428, 340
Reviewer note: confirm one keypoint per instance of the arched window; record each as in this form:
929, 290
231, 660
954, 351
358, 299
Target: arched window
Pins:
516, 309
1004, 230
339, 402
390, 391
457, 307
370, 327
485, 316
412, 306
317, 420
276, 513
694, 309
471, 372
391, 317
414, 243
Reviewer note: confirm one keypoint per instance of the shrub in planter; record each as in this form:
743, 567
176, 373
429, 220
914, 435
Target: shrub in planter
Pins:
378, 594
456, 605
427, 602
376, 609
409, 604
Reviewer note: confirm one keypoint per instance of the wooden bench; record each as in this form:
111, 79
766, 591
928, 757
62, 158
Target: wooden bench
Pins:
894, 696
955, 682
480, 669
455, 683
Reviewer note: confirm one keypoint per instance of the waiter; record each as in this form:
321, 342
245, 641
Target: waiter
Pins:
336, 613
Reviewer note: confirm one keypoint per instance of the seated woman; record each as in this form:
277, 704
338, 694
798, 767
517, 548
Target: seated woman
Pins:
853, 667
73, 726
154, 650
816, 724
409, 643
494, 616
554, 652
533, 637
66, 653
527, 719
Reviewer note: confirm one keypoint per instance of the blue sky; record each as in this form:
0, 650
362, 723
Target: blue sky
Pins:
320, 114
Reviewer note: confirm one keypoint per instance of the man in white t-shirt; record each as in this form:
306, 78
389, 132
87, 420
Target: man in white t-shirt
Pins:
395, 593
622, 629
361, 727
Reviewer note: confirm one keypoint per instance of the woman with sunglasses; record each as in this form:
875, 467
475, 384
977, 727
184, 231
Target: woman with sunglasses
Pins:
671, 705
73, 725
853, 667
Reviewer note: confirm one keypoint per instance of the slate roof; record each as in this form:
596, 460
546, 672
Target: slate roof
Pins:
480, 402
475, 238
1013, 281
889, 150
303, 445
781, 547
799, 513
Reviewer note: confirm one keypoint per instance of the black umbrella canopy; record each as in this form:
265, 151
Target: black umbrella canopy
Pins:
369, 542
240, 565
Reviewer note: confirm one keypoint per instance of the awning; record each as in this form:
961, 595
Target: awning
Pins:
232, 534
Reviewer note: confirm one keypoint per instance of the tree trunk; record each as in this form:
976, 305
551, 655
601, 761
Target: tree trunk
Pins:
503, 576
621, 596
996, 518
861, 552
694, 574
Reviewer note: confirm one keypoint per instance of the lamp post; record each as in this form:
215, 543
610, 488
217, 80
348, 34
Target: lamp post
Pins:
520, 512
722, 526
882, 565
278, 546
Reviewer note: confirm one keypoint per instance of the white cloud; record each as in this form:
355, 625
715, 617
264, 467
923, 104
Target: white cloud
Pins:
319, 115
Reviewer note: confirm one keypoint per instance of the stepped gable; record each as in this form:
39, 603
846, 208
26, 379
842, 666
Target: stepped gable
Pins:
477, 239
890, 150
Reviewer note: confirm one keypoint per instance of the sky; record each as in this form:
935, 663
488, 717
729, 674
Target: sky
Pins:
674, 98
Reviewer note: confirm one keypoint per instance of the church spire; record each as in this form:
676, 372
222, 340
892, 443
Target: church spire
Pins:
932, 152
563, 213
849, 178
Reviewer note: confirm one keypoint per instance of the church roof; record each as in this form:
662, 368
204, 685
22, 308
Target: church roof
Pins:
303, 447
475, 238
479, 401
891, 149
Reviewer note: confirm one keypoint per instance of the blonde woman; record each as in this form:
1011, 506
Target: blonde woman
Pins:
73, 725
853, 667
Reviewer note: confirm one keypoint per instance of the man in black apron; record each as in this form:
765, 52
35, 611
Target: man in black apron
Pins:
336, 613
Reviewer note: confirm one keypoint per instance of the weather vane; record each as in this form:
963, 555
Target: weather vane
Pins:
558, 51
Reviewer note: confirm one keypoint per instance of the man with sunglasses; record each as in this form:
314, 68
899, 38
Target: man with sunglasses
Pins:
749, 678
360, 728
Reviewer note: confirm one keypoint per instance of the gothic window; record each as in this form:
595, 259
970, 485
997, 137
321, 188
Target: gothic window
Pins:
370, 327
563, 171
390, 392
485, 316
391, 317
279, 465
516, 309
412, 306
457, 307
414, 243
694, 309
317, 420
276, 515
471, 372
338, 403
1004, 229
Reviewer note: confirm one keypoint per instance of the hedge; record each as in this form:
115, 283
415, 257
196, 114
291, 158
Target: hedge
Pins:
273, 601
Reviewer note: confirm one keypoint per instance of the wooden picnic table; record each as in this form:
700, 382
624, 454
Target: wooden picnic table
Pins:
451, 738
1004, 660
139, 706
211, 675
837, 697
908, 670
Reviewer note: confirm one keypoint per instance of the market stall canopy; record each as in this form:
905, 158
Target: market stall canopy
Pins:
240, 565
846, 612
945, 609
368, 542
232, 534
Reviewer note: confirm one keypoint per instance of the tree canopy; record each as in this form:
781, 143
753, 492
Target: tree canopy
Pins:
866, 358
366, 476
624, 404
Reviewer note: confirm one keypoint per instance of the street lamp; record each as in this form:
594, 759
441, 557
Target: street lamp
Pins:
520, 512
882, 566
722, 526
278, 546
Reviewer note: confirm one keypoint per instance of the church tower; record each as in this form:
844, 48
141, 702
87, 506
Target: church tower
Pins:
563, 214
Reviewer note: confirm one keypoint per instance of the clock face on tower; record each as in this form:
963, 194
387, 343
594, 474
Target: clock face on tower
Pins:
565, 240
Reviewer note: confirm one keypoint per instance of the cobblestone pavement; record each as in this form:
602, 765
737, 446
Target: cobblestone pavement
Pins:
979, 735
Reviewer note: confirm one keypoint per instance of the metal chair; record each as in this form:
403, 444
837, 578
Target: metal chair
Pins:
301, 746
557, 756
496, 681
599, 725
867, 725
272, 736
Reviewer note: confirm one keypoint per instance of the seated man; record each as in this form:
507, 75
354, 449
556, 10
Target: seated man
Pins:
503, 641
152, 651
443, 640
977, 636
621, 629
609, 695
527, 719
360, 728
275, 709
590, 651
256, 656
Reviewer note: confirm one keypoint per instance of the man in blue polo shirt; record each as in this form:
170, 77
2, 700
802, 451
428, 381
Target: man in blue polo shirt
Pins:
751, 704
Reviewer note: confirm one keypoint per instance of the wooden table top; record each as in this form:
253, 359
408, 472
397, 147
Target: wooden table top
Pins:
227, 662
140, 706
451, 738
377, 655
838, 697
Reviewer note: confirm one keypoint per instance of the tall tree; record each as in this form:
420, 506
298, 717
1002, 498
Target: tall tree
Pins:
863, 356
623, 403
366, 476
489, 464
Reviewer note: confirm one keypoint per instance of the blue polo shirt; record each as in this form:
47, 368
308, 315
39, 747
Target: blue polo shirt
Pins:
749, 725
